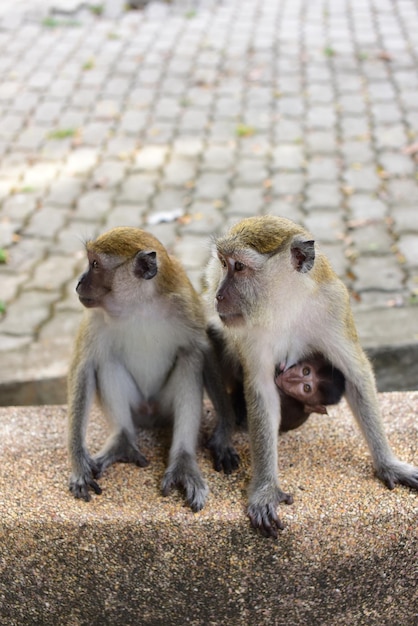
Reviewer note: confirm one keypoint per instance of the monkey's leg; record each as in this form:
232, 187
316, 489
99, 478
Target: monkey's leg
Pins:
362, 397
265, 493
84, 470
117, 392
220, 443
184, 392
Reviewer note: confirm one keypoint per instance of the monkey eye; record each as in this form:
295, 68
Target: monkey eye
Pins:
307, 388
306, 371
239, 266
95, 264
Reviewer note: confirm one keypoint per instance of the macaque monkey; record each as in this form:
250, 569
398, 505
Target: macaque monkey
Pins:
142, 350
277, 300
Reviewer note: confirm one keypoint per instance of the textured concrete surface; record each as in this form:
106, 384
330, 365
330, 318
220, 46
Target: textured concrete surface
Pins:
184, 116
348, 554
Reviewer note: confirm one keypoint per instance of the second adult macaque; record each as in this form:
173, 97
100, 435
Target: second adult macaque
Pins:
307, 387
142, 350
277, 300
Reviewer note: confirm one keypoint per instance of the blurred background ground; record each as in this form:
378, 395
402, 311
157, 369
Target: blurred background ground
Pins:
182, 117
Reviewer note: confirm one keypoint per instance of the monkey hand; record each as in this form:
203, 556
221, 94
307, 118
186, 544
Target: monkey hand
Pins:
225, 457
82, 481
184, 472
399, 473
263, 515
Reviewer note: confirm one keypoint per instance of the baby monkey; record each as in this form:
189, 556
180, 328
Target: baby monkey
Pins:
307, 387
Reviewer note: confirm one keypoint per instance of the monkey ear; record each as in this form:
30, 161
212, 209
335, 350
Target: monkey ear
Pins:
145, 265
303, 255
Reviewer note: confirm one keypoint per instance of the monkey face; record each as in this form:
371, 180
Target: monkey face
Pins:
301, 382
95, 283
113, 283
236, 293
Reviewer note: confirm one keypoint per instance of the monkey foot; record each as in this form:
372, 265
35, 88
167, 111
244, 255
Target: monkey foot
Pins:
80, 487
120, 450
399, 473
264, 517
224, 458
186, 475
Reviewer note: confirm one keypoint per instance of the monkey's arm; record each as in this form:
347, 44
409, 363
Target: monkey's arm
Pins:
293, 413
362, 398
265, 494
81, 388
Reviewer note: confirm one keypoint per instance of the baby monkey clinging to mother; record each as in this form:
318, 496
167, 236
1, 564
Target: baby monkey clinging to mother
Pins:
275, 299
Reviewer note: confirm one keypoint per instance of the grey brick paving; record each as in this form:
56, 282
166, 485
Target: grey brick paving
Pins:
240, 107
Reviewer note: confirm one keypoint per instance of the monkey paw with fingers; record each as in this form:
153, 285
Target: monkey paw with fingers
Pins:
225, 458
263, 516
121, 449
399, 473
83, 481
186, 475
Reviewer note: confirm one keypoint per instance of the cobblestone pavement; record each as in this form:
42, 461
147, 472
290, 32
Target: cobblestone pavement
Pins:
182, 117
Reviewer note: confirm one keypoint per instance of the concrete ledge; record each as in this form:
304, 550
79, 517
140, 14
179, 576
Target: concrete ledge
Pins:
348, 554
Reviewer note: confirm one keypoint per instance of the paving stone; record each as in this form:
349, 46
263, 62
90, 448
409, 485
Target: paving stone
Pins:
245, 201
354, 128
321, 117
390, 136
352, 104
64, 191
403, 192
211, 186
377, 272
288, 183
218, 157
327, 226
120, 147
362, 179
322, 196
52, 272
45, 223
322, 169
93, 205
396, 164
193, 252
137, 188
202, 218
125, 215
372, 238
321, 142
408, 246
179, 172
357, 152
363, 206
289, 206
31, 138
170, 198
63, 324
40, 175
150, 158
288, 157
18, 207
406, 218
27, 312
250, 172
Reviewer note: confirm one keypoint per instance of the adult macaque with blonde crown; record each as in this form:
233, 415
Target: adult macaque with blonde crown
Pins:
275, 300
142, 350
